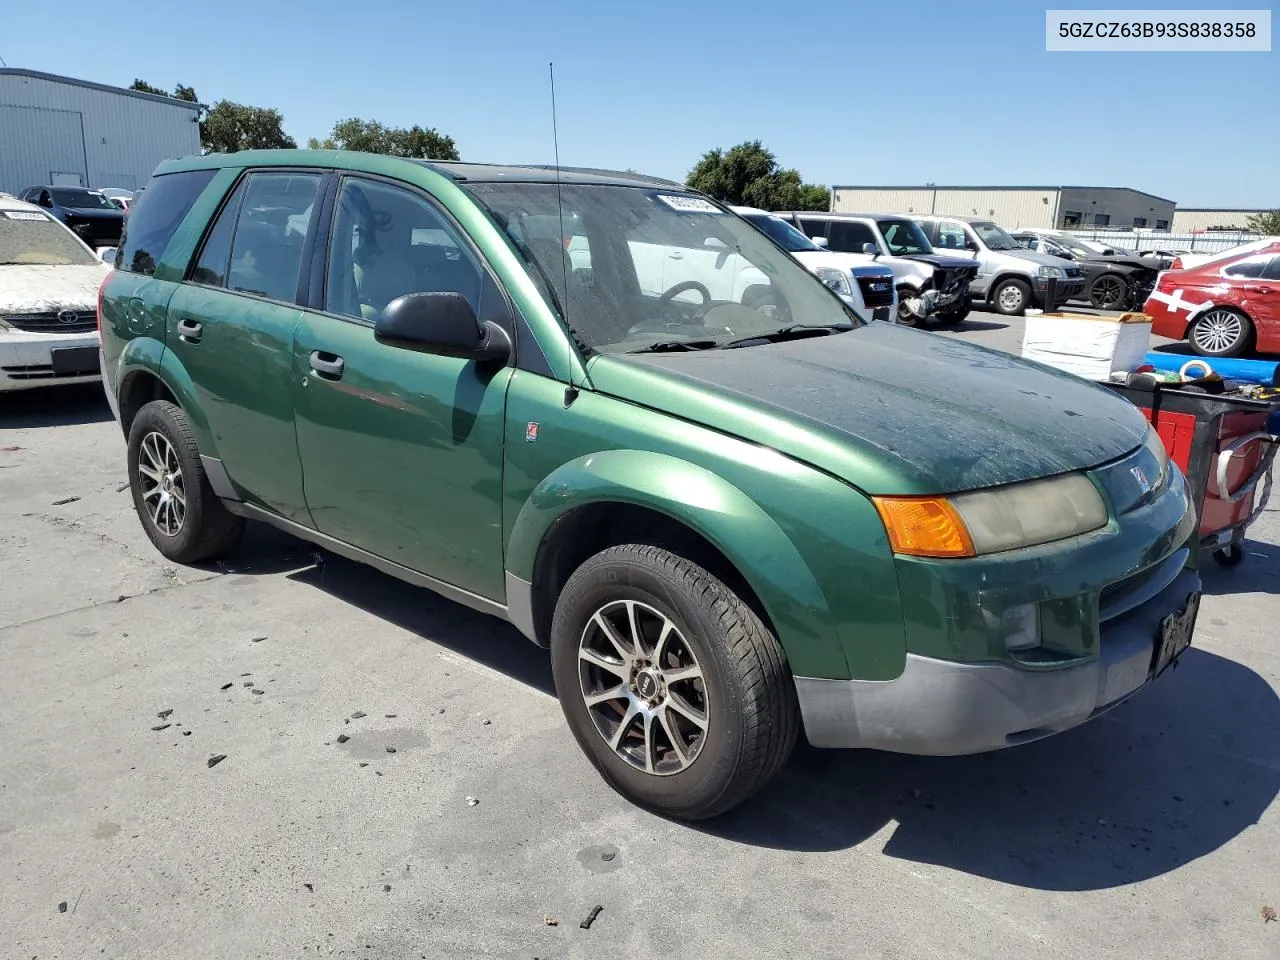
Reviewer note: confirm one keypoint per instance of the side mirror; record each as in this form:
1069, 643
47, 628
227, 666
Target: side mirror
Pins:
443, 324
45, 200
107, 254
971, 245
820, 241
870, 249
715, 243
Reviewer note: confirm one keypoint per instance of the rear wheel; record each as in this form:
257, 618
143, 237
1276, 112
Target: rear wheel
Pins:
1011, 297
1109, 292
1221, 332
674, 688
179, 510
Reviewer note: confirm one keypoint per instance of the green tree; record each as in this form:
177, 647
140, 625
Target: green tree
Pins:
229, 127
749, 174
370, 136
1266, 223
143, 87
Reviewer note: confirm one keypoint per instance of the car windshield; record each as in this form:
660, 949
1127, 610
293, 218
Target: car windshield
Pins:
650, 269
994, 237
28, 238
81, 200
904, 237
780, 232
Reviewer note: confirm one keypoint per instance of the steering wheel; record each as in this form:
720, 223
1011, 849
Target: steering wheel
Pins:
684, 286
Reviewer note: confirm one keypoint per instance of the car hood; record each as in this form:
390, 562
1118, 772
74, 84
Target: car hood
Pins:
888, 409
96, 213
48, 289
941, 260
1034, 256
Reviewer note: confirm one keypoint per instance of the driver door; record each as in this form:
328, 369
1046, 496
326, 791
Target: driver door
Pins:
401, 451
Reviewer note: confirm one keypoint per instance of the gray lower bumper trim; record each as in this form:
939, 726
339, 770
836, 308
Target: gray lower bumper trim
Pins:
942, 708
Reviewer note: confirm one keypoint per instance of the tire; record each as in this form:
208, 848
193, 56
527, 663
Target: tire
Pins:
1229, 556
952, 318
744, 691
1221, 332
1011, 297
905, 317
1109, 292
190, 524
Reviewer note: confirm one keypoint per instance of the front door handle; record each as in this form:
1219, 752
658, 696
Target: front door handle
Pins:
327, 364
190, 330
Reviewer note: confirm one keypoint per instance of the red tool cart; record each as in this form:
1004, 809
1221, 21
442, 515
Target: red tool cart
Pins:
1226, 446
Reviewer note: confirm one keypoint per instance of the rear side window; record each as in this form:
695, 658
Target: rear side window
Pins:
1248, 268
849, 236
255, 246
1272, 270
155, 218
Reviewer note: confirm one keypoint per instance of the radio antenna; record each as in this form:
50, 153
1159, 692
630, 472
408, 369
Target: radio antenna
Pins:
571, 392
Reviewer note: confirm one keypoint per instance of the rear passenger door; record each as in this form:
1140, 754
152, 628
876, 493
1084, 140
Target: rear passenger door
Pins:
231, 326
402, 451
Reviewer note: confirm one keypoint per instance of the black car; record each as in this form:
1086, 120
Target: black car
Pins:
1112, 281
94, 218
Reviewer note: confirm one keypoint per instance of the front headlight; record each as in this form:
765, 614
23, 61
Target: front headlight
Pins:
837, 280
1052, 273
992, 521
1156, 447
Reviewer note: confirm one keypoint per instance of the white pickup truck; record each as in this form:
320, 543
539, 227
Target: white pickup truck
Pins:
867, 286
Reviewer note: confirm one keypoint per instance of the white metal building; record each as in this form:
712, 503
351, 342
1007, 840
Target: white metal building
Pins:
1196, 219
1015, 207
57, 130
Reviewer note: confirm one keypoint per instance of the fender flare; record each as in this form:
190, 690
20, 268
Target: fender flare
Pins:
149, 357
708, 505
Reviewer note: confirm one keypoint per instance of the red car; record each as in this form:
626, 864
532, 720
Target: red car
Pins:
1225, 307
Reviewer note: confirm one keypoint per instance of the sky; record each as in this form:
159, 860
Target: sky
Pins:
855, 93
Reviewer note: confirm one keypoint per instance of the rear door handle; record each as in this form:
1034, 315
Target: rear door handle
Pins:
327, 364
190, 330
676, 256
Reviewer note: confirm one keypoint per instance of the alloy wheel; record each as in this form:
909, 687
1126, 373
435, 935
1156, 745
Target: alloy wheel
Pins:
163, 491
1108, 291
1218, 331
643, 687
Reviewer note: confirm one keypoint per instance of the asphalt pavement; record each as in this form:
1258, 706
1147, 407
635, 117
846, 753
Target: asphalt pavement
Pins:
397, 780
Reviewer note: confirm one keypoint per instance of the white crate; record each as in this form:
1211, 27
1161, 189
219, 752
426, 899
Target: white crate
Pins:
1089, 346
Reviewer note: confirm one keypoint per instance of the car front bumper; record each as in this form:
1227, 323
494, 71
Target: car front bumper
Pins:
945, 708
29, 360
1067, 289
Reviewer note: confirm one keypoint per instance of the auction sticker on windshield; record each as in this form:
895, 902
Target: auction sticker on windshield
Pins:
688, 204
24, 215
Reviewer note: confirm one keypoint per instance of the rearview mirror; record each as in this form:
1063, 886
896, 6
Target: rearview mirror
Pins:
443, 324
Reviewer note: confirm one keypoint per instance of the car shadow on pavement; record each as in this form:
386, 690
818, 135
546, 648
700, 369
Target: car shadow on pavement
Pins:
1167, 777
60, 406
1259, 572
972, 326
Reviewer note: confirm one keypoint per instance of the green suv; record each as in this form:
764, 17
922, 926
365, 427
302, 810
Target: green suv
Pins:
610, 411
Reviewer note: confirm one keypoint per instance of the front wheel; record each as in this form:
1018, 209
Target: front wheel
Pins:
1109, 292
953, 317
1229, 556
1011, 297
905, 317
675, 689
179, 510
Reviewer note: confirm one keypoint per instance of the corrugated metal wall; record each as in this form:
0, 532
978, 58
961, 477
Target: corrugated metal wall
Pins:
1010, 208
110, 139
1184, 221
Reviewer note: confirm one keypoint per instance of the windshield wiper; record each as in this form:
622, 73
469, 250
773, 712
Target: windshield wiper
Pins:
673, 346
796, 331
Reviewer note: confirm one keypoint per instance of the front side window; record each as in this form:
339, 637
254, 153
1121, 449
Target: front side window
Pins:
155, 218
388, 241
271, 230
904, 238
813, 227
29, 238
666, 268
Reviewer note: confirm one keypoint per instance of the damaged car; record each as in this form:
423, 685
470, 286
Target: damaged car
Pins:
1112, 281
933, 289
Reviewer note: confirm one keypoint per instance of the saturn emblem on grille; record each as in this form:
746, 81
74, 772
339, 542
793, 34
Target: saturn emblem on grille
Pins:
67, 316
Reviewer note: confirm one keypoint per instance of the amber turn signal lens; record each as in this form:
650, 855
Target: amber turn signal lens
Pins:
924, 527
